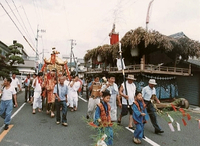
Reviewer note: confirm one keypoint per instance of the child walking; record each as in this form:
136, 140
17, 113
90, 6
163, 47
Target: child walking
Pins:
139, 117
102, 118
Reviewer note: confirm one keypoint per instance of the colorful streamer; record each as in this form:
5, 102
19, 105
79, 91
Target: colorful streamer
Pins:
174, 108
184, 123
188, 116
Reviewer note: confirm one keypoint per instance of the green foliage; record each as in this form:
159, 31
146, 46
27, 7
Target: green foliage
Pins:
4, 71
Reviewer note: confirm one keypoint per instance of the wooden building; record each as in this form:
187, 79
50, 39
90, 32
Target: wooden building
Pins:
149, 54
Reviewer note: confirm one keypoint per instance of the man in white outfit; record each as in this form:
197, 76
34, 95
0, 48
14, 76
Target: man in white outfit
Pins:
37, 102
127, 99
72, 94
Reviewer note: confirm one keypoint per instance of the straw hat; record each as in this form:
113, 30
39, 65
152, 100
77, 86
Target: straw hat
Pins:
131, 77
152, 81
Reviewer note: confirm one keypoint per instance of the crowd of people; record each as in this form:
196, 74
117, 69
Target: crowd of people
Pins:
104, 97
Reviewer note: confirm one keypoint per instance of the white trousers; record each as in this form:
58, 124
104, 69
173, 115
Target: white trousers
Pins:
37, 103
73, 102
92, 103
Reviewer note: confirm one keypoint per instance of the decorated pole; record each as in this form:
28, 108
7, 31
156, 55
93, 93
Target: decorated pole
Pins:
124, 78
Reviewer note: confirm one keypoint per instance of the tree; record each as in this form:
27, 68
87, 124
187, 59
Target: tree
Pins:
13, 57
4, 71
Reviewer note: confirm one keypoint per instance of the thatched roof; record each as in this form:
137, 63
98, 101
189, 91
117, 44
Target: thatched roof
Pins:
147, 42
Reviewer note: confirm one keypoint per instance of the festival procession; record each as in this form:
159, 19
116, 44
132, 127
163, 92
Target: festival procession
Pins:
138, 86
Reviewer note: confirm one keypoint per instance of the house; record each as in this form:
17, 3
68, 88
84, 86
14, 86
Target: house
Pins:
149, 54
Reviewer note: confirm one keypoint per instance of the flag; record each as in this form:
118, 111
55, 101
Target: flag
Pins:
119, 64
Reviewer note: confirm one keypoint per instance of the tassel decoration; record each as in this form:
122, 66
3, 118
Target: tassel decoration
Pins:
184, 123
188, 116
174, 108
182, 111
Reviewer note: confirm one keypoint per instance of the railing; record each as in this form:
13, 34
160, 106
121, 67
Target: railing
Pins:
148, 68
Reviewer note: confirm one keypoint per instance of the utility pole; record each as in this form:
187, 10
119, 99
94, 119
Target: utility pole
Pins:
73, 42
36, 39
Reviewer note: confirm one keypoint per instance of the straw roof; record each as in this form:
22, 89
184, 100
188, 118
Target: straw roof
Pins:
147, 42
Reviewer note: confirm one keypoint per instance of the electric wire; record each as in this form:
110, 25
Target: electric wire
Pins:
30, 38
17, 26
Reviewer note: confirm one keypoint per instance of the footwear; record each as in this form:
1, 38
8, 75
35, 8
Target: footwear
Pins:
135, 140
52, 114
133, 128
72, 109
139, 141
64, 124
57, 122
118, 122
6, 127
33, 112
75, 109
159, 131
39, 110
48, 112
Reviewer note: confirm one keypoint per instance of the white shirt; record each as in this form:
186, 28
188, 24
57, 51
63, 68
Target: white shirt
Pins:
15, 82
7, 93
147, 92
37, 87
131, 88
66, 82
73, 90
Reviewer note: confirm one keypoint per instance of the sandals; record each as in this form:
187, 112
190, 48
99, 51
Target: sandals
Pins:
33, 112
118, 122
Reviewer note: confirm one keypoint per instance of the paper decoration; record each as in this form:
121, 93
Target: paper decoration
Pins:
92, 124
171, 119
171, 126
184, 123
188, 116
174, 108
182, 111
178, 126
101, 141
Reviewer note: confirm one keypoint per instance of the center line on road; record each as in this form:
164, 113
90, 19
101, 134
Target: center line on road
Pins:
82, 99
3, 134
1, 128
146, 138
18, 110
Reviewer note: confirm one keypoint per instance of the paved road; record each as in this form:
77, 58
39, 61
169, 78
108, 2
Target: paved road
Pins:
41, 130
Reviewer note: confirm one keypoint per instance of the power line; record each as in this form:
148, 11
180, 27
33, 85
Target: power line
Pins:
22, 22
28, 21
15, 15
17, 27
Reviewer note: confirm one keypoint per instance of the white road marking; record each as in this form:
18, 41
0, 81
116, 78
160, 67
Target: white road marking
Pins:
13, 115
146, 138
82, 99
18, 110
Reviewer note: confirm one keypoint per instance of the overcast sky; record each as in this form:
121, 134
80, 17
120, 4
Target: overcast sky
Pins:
90, 21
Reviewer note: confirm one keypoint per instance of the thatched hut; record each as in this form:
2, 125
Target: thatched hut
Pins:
149, 54
152, 46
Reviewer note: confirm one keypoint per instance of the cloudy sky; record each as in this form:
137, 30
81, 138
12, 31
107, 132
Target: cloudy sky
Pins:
90, 21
